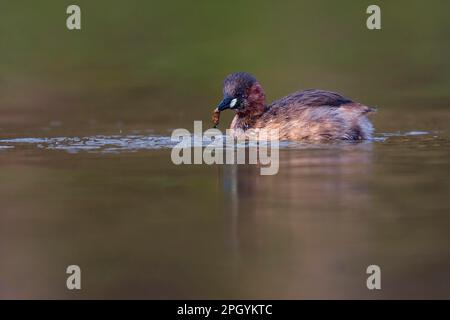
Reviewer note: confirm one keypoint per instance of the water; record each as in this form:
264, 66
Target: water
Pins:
133, 143
141, 227
102, 144
86, 176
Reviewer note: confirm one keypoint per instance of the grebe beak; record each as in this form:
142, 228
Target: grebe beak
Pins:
224, 104
227, 103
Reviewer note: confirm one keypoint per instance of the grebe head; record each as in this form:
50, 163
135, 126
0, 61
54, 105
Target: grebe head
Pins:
242, 93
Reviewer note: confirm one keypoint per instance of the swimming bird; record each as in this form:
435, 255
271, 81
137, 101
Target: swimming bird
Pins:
310, 115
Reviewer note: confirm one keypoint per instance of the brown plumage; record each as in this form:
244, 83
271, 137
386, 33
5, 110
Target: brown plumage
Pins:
305, 115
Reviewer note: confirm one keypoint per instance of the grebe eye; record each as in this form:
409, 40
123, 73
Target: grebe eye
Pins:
233, 102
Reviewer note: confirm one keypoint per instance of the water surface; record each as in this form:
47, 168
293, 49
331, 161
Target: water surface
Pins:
141, 227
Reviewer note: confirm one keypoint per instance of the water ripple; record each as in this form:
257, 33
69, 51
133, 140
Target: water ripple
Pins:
132, 143
95, 143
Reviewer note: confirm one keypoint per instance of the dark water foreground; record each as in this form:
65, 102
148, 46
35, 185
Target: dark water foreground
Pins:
141, 227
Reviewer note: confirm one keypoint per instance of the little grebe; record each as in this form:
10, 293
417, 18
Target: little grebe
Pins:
304, 115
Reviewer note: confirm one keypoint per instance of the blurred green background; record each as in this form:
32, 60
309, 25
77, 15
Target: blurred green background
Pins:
159, 64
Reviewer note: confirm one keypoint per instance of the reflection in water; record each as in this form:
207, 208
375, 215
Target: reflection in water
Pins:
303, 179
311, 185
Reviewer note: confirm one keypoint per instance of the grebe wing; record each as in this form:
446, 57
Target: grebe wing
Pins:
313, 98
